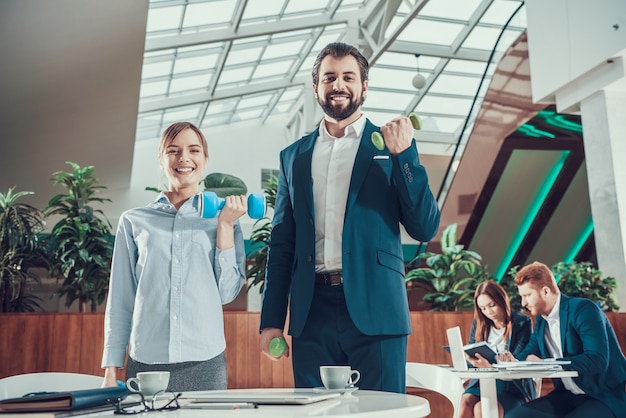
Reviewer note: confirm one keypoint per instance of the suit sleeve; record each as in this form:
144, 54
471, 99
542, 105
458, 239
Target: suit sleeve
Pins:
587, 328
280, 257
419, 209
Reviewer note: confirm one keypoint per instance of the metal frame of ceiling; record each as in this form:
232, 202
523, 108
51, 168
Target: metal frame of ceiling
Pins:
374, 26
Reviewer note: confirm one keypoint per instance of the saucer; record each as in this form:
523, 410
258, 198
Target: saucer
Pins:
342, 390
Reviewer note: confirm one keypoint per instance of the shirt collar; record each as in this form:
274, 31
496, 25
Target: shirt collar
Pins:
355, 129
553, 316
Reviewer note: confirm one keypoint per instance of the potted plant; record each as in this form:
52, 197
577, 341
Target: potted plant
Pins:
21, 253
260, 240
585, 281
449, 279
80, 244
221, 184
576, 279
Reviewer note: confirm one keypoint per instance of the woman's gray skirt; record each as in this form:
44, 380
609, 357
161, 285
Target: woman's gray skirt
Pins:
187, 376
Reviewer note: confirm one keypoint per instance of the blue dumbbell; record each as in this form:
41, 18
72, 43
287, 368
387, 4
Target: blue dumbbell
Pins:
210, 204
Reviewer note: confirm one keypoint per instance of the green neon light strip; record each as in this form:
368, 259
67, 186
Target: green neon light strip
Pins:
531, 215
580, 241
560, 121
530, 130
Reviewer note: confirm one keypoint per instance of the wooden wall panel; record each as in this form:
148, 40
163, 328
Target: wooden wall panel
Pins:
72, 342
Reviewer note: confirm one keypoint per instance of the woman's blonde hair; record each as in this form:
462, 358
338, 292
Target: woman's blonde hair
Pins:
174, 129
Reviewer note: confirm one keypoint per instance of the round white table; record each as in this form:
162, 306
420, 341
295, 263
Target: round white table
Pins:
487, 382
352, 404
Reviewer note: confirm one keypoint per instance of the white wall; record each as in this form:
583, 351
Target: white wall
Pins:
568, 38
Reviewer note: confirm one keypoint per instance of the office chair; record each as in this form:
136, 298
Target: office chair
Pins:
21, 384
437, 379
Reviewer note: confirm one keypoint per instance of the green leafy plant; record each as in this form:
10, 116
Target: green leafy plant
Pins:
80, 244
222, 184
450, 278
21, 252
576, 279
509, 287
584, 280
260, 240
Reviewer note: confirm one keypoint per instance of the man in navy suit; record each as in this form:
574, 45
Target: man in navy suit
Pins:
335, 254
573, 329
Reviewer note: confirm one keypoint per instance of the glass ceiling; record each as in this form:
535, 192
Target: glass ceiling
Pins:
219, 62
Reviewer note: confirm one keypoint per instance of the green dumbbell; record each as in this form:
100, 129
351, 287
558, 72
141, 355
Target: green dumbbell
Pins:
379, 142
210, 204
277, 346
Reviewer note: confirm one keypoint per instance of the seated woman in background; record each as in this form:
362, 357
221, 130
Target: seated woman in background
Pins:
495, 324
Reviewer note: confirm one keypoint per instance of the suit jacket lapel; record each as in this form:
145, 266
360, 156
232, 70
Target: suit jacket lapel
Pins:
363, 159
563, 318
302, 179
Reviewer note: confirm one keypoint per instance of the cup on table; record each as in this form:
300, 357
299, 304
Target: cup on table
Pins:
149, 383
503, 353
339, 377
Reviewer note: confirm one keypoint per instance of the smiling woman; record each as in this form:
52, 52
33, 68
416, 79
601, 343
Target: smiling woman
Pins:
171, 273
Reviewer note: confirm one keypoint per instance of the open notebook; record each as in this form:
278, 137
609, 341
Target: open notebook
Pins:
270, 396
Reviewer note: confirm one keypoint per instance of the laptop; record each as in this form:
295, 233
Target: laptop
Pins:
265, 396
455, 344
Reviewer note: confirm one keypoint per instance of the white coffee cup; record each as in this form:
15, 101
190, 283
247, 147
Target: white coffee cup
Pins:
338, 377
149, 383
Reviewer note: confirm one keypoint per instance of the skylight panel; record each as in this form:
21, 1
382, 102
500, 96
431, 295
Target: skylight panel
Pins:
451, 84
254, 101
274, 69
444, 105
269, 9
197, 82
392, 79
241, 115
198, 63
500, 11
189, 113
156, 69
209, 13
300, 6
482, 38
150, 89
462, 66
388, 100
441, 124
431, 32
275, 50
451, 9
163, 18
240, 56
221, 106
235, 75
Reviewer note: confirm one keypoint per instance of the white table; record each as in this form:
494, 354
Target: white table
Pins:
487, 381
351, 404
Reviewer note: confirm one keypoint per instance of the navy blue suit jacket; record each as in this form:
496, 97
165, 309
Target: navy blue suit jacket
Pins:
589, 342
385, 191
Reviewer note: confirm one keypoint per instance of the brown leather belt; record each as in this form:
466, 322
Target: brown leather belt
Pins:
332, 279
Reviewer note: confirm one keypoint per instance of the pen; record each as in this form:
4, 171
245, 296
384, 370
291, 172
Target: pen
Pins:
221, 405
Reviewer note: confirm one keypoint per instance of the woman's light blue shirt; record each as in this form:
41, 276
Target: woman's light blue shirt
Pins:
168, 283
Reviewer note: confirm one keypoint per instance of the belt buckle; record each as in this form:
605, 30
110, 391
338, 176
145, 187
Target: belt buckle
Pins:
331, 277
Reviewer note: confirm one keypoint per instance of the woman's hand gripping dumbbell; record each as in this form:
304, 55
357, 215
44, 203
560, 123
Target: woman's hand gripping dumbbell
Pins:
377, 137
210, 204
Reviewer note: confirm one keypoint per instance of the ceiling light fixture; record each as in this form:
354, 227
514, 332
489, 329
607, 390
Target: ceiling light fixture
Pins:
419, 81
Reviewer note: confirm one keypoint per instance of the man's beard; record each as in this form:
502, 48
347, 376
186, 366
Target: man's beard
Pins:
337, 112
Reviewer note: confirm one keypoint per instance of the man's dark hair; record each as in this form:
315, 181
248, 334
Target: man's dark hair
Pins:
338, 50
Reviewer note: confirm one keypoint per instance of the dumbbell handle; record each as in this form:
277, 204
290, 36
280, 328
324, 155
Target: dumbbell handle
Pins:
210, 204
379, 142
